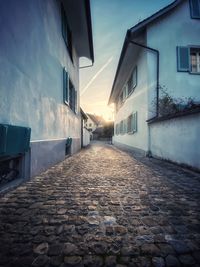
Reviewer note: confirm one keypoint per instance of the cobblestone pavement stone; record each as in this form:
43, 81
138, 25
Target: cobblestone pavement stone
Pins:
103, 207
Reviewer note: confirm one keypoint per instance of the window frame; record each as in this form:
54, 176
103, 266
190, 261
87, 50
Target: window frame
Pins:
189, 49
198, 59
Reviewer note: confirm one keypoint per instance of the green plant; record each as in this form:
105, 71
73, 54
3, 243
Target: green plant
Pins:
169, 105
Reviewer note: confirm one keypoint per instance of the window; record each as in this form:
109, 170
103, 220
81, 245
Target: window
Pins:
66, 32
90, 124
72, 97
121, 127
69, 92
195, 60
195, 9
128, 88
117, 129
125, 92
132, 123
132, 82
188, 59
125, 126
65, 87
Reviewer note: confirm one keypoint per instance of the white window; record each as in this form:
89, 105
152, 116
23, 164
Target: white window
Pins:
188, 59
195, 60
195, 9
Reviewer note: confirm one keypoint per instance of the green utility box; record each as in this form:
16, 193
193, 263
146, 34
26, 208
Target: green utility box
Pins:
14, 140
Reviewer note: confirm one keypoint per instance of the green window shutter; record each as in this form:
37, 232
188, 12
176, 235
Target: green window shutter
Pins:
76, 106
125, 126
134, 120
73, 99
195, 9
134, 77
65, 86
183, 60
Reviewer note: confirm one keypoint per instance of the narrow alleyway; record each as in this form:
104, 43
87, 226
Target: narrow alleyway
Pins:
103, 207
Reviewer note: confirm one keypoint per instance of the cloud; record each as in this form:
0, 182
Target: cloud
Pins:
96, 75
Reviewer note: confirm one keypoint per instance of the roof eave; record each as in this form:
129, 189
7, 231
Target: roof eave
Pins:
141, 26
89, 23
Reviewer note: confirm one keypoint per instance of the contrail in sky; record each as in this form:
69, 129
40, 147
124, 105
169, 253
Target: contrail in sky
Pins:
96, 75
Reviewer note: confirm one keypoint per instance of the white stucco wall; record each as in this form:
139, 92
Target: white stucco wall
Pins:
86, 137
175, 29
177, 140
137, 101
32, 57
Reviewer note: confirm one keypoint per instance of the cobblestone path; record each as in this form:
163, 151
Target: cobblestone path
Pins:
103, 207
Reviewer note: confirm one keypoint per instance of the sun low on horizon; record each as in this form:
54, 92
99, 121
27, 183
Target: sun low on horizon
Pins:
103, 110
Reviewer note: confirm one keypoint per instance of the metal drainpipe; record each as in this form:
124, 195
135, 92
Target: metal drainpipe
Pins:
149, 154
157, 71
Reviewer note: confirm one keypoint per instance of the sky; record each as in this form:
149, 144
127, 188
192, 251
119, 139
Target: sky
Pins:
110, 21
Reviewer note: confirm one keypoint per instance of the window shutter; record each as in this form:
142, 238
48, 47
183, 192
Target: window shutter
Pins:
183, 58
135, 77
195, 8
76, 107
125, 126
64, 23
65, 86
135, 122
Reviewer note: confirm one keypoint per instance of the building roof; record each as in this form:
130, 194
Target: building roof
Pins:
83, 114
133, 33
79, 16
96, 119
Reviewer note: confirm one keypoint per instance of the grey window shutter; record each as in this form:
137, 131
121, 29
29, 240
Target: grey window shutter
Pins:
65, 86
183, 63
195, 8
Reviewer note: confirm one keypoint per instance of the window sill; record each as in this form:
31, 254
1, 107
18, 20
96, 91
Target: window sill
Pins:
194, 73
